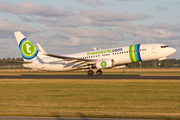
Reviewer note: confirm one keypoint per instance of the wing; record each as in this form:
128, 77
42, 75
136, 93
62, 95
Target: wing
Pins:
68, 59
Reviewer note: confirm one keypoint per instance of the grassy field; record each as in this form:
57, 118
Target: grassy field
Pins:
153, 99
141, 72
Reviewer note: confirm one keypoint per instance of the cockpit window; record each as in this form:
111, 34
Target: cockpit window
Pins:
164, 46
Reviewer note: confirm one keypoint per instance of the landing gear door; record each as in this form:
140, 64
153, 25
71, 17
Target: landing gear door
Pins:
153, 49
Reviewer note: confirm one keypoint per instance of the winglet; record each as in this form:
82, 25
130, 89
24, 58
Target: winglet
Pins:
41, 49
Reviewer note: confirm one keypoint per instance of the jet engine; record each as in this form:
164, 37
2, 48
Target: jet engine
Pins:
106, 63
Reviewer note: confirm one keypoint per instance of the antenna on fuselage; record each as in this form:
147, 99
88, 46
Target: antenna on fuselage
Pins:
96, 49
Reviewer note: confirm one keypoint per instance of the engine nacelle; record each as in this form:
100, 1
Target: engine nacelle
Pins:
106, 63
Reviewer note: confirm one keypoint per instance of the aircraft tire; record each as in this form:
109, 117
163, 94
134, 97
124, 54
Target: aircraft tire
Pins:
99, 72
90, 72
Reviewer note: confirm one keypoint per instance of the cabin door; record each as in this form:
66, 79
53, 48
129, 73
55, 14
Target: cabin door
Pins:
153, 49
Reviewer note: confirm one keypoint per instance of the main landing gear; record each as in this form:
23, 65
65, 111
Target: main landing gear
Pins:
91, 72
99, 72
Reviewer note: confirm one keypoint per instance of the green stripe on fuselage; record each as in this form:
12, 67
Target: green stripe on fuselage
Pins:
130, 53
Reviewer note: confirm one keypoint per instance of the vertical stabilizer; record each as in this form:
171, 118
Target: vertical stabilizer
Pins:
28, 50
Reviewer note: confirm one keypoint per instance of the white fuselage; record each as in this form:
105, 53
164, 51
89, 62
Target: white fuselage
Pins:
120, 56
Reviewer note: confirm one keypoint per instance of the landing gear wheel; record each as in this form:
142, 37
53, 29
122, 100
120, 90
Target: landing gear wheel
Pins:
90, 72
99, 72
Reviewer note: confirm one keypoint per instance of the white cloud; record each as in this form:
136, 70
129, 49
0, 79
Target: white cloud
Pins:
77, 22
94, 19
33, 9
85, 29
158, 8
86, 21
145, 35
56, 22
7, 29
113, 34
129, 0
111, 16
92, 2
73, 41
166, 26
90, 33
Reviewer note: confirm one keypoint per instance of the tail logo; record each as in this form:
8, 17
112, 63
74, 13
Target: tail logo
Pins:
27, 49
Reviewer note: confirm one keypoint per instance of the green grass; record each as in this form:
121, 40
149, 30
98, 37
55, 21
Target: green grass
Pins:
153, 99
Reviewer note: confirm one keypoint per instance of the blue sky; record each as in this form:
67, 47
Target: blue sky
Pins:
70, 26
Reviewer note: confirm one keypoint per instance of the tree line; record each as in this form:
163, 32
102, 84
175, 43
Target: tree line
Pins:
168, 63
4, 64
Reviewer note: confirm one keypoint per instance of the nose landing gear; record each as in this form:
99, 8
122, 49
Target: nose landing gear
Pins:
159, 63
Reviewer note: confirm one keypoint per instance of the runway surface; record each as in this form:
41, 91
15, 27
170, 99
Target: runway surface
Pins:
58, 118
90, 77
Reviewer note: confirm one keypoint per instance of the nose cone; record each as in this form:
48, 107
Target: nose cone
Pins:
172, 50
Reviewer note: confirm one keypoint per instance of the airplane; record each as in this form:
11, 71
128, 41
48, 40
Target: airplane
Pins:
117, 57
